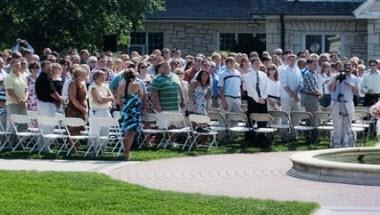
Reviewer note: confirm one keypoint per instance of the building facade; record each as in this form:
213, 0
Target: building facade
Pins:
350, 27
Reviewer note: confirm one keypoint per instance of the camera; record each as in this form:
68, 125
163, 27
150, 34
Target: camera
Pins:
341, 76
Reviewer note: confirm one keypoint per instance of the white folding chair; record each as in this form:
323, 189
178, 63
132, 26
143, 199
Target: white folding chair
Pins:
281, 121
72, 139
5, 135
98, 142
47, 125
199, 121
20, 124
268, 131
148, 132
217, 123
168, 120
303, 122
237, 123
321, 122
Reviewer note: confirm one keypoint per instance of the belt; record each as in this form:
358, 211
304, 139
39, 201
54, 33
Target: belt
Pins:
310, 94
274, 97
343, 101
234, 97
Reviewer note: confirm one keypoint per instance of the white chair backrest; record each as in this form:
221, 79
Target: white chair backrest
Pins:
260, 117
199, 119
59, 116
33, 114
73, 122
47, 121
20, 119
166, 119
217, 116
297, 117
359, 115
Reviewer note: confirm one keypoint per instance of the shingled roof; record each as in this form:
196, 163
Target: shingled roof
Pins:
246, 9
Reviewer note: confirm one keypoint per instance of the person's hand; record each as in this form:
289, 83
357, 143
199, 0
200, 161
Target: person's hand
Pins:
23, 104
261, 101
225, 105
297, 98
158, 109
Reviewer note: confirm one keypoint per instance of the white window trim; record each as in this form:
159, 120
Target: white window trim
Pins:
323, 34
146, 45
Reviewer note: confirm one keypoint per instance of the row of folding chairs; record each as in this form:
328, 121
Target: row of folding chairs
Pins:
169, 125
294, 123
33, 132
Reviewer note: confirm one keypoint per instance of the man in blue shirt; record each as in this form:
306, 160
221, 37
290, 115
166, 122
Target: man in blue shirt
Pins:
230, 86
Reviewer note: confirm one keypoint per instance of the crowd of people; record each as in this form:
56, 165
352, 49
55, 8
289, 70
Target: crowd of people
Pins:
83, 85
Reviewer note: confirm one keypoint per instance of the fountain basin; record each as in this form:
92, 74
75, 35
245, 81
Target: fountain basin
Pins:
349, 165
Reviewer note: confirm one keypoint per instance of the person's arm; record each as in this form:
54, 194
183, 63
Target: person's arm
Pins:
364, 88
98, 98
192, 87
120, 93
74, 100
332, 84
156, 101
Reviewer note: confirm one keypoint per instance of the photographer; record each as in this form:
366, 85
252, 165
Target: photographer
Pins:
343, 87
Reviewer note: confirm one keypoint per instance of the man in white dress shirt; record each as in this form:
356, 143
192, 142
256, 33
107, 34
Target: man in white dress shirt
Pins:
257, 89
291, 84
370, 85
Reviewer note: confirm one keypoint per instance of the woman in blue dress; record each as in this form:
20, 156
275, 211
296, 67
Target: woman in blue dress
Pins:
131, 97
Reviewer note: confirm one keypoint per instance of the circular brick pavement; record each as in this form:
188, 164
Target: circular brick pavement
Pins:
261, 175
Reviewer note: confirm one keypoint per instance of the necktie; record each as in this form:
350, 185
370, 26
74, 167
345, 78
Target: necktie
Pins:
257, 84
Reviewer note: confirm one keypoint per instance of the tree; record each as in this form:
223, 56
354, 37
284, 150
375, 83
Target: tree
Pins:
71, 23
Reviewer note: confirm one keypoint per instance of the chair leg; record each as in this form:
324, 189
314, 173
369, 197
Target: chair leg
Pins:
194, 142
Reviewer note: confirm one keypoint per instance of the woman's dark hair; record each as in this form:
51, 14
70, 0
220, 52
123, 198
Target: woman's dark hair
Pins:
273, 66
34, 65
128, 75
199, 78
188, 65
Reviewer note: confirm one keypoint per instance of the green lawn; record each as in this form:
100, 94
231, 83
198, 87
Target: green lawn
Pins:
151, 153
89, 193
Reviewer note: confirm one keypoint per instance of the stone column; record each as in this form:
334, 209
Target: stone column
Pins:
373, 39
273, 33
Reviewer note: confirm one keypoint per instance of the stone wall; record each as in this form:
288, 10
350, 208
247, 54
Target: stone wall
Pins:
352, 32
203, 37
374, 39
199, 37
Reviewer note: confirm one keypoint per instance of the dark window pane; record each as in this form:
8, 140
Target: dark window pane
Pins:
251, 42
227, 42
138, 38
333, 43
314, 43
155, 41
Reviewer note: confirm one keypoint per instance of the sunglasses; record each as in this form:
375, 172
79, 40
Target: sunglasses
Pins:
269, 69
373, 65
143, 67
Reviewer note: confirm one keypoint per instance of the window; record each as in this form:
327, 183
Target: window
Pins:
319, 43
227, 42
242, 42
146, 42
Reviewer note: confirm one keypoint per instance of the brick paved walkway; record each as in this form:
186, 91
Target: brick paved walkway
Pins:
261, 175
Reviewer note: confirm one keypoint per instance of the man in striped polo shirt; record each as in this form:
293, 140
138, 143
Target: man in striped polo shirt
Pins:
166, 89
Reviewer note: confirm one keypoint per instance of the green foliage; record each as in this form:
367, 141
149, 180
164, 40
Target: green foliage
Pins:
71, 23
88, 193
